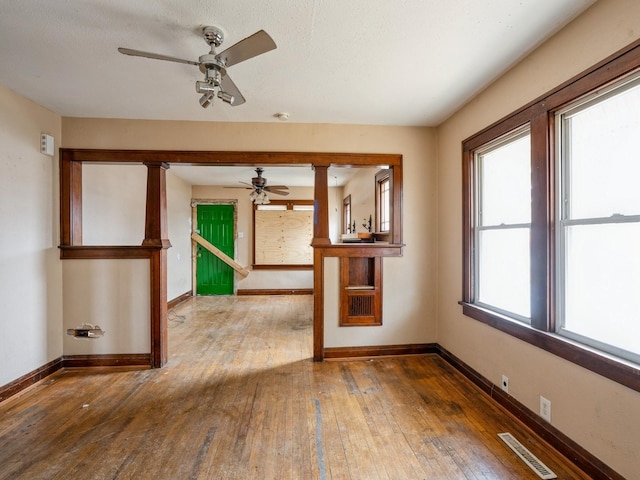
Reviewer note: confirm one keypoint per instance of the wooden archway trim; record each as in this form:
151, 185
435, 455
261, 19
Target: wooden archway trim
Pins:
156, 242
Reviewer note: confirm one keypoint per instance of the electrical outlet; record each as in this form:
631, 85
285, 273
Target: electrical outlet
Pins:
545, 408
505, 383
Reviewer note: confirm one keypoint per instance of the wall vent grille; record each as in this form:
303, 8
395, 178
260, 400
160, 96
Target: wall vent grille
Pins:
527, 457
360, 305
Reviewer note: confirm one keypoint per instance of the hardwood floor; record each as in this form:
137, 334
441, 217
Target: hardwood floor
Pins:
240, 398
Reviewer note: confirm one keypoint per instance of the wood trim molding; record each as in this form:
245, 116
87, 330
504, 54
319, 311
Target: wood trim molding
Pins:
380, 350
124, 360
624, 372
70, 200
131, 360
179, 299
158, 307
361, 250
318, 305
230, 158
275, 291
157, 162
558, 440
156, 229
321, 207
25, 381
114, 252
282, 267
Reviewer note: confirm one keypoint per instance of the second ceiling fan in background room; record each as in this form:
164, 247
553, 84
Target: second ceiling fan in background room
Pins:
260, 188
214, 65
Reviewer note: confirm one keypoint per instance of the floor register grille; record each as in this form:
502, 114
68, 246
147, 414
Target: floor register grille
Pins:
527, 457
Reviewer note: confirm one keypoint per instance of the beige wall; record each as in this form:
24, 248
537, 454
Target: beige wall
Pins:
597, 413
30, 268
113, 294
113, 204
361, 187
409, 281
179, 220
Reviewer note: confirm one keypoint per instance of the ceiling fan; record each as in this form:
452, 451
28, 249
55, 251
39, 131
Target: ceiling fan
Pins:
214, 65
260, 188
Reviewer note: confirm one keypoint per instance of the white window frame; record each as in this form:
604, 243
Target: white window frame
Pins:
563, 164
478, 223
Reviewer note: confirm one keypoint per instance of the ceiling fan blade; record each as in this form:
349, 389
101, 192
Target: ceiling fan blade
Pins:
278, 187
230, 88
245, 183
252, 46
277, 192
155, 56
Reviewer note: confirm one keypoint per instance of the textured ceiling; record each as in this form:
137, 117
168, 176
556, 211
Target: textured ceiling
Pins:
376, 62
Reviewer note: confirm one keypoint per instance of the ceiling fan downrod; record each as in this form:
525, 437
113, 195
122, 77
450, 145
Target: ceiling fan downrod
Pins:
213, 68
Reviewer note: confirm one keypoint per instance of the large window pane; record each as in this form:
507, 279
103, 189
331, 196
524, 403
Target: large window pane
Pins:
503, 267
601, 144
505, 183
602, 283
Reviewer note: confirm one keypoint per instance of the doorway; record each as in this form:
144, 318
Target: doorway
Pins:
216, 224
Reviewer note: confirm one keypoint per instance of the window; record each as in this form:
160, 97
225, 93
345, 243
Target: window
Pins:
503, 219
346, 215
551, 215
283, 231
599, 221
383, 201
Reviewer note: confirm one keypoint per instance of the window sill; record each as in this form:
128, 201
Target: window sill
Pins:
379, 249
282, 267
614, 368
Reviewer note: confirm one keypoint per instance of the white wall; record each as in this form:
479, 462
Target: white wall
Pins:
30, 268
599, 414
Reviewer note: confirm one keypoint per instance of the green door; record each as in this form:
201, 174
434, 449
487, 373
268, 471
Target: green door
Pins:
213, 276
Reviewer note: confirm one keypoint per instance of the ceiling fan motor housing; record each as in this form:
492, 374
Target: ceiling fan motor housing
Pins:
213, 36
259, 181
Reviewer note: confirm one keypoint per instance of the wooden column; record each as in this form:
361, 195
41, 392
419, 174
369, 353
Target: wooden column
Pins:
320, 239
70, 200
158, 307
318, 305
321, 207
156, 234
156, 231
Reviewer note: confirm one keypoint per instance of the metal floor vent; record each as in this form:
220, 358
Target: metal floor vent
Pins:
527, 457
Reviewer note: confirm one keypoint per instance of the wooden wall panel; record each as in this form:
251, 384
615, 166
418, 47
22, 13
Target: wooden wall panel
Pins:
283, 237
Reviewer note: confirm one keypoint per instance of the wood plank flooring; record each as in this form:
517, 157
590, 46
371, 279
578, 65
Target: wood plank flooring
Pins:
240, 398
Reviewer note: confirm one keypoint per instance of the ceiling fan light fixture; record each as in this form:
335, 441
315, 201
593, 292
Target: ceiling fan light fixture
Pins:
206, 99
262, 199
205, 87
226, 97
259, 197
